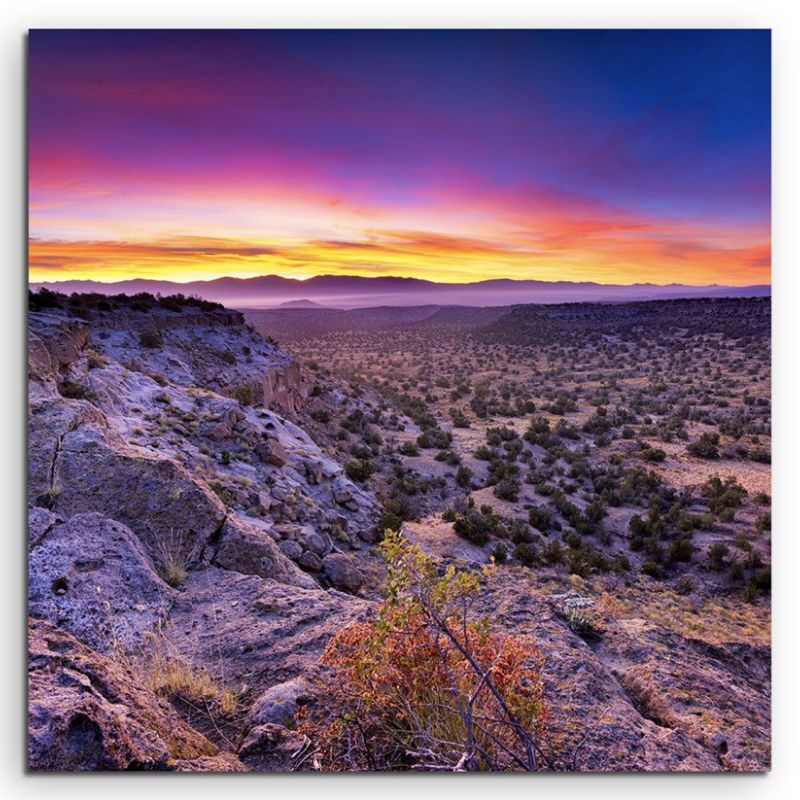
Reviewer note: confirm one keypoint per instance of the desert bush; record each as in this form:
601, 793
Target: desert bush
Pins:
76, 391
151, 340
388, 521
244, 394
409, 449
707, 446
359, 470
162, 670
463, 476
526, 554
717, 555
425, 685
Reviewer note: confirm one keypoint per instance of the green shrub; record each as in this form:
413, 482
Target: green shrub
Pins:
359, 470
151, 340
526, 554
244, 394
76, 391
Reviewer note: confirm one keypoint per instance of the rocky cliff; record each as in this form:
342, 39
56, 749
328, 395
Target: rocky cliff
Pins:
164, 485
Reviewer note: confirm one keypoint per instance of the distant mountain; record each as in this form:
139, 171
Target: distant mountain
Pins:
352, 291
304, 303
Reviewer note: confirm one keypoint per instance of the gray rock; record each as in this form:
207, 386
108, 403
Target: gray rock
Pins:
314, 471
40, 521
88, 712
279, 704
342, 573
317, 542
310, 561
341, 491
272, 748
247, 547
92, 577
271, 451
172, 513
291, 549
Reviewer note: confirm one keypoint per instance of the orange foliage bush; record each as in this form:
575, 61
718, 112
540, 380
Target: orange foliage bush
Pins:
425, 686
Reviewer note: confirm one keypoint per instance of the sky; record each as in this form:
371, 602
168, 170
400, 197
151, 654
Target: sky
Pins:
610, 156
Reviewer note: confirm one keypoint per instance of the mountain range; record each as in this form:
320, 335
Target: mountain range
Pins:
351, 291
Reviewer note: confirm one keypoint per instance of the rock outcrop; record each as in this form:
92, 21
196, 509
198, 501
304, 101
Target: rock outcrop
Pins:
88, 712
91, 576
284, 387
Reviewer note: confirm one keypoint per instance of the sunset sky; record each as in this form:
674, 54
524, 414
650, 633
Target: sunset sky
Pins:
612, 156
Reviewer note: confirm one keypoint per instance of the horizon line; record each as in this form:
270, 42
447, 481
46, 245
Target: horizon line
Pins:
397, 277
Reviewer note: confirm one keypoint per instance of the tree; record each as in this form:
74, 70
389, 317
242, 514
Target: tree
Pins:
426, 685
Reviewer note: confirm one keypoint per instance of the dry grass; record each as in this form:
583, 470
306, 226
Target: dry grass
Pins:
172, 566
171, 677
166, 673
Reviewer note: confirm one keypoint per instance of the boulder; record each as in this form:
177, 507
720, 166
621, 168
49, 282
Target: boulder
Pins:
224, 425
88, 712
342, 573
49, 421
290, 549
318, 543
173, 513
280, 703
271, 451
310, 561
273, 748
256, 631
91, 576
54, 342
314, 471
247, 547
340, 489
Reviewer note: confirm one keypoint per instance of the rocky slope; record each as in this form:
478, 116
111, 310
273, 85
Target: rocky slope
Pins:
192, 550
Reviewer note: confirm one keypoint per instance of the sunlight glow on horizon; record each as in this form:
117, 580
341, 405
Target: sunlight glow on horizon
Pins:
189, 155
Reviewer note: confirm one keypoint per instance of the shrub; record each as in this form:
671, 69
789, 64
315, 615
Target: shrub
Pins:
681, 550
717, 554
707, 446
389, 522
652, 569
582, 624
540, 518
95, 360
359, 470
244, 394
463, 476
470, 527
409, 449
151, 339
425, 685
526, 554
507, 489
76, 391
168, 675
500, 553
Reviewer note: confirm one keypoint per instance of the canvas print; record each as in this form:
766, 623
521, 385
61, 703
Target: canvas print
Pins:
399, 400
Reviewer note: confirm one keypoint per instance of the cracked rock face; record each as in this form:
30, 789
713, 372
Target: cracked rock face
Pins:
91, 576
171, 512
142, 466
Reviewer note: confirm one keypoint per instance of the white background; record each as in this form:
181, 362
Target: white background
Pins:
782, 17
